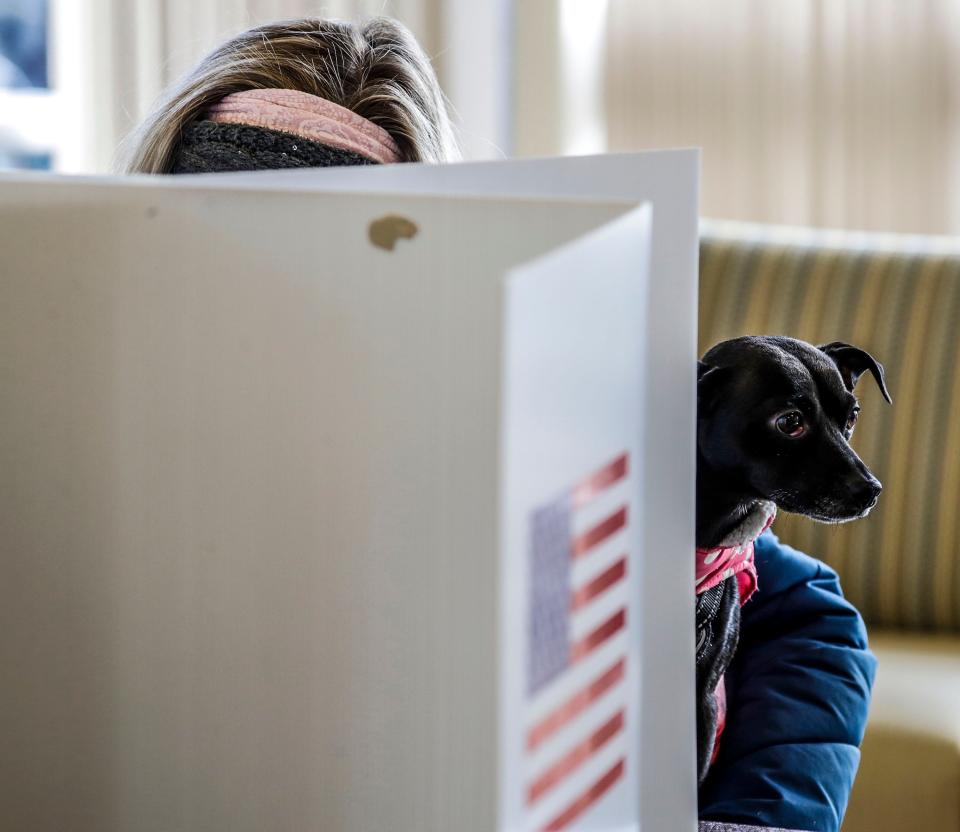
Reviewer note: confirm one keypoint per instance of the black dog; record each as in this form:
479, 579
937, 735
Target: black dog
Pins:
774, 420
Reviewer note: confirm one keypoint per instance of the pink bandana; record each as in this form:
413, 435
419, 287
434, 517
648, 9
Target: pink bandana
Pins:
309, 117
716, 565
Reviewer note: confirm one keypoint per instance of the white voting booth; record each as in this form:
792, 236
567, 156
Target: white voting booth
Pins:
349, 500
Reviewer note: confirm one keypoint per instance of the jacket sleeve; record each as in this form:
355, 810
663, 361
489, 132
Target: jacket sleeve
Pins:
798, 692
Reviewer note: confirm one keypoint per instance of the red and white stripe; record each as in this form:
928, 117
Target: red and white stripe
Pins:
576, 741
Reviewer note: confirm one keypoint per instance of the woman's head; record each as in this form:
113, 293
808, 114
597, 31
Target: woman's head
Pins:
375, 69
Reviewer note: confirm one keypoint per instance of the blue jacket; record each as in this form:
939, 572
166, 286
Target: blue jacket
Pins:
798, 691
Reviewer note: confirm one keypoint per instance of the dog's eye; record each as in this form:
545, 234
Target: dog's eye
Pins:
791, 424
852, 420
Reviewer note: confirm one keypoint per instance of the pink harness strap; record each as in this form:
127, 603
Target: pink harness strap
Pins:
714, 566
309, 117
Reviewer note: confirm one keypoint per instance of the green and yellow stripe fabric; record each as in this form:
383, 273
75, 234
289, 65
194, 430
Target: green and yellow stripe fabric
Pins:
900, 565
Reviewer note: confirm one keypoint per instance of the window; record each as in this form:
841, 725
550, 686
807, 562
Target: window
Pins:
25, 85
49, 51
23, 44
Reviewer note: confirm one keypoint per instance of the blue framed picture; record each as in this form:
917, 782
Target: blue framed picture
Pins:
24, 44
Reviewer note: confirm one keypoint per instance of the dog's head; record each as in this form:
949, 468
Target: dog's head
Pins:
775, 417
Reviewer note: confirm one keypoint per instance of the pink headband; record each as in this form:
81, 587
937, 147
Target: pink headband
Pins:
309, 117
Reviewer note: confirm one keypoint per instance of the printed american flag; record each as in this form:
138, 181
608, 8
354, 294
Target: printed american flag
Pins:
576, 710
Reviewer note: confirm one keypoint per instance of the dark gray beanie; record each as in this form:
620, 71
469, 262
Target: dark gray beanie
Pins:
208, 147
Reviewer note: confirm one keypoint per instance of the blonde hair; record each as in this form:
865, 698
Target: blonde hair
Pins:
375, 68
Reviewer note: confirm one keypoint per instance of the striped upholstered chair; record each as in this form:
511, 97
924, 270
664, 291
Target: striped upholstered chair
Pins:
899, 298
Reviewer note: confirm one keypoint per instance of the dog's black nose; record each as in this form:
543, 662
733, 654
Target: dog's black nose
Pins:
866, 492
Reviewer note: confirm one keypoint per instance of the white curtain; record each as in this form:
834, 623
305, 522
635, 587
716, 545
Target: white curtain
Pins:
836, 113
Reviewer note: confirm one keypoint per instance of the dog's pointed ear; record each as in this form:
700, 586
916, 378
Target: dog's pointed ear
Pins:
853, 362
709, 381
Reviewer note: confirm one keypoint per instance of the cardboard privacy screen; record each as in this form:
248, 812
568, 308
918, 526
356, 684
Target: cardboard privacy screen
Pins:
330, 510
668, 181
571, 552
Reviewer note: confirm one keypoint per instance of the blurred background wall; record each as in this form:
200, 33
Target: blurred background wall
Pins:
838, 113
